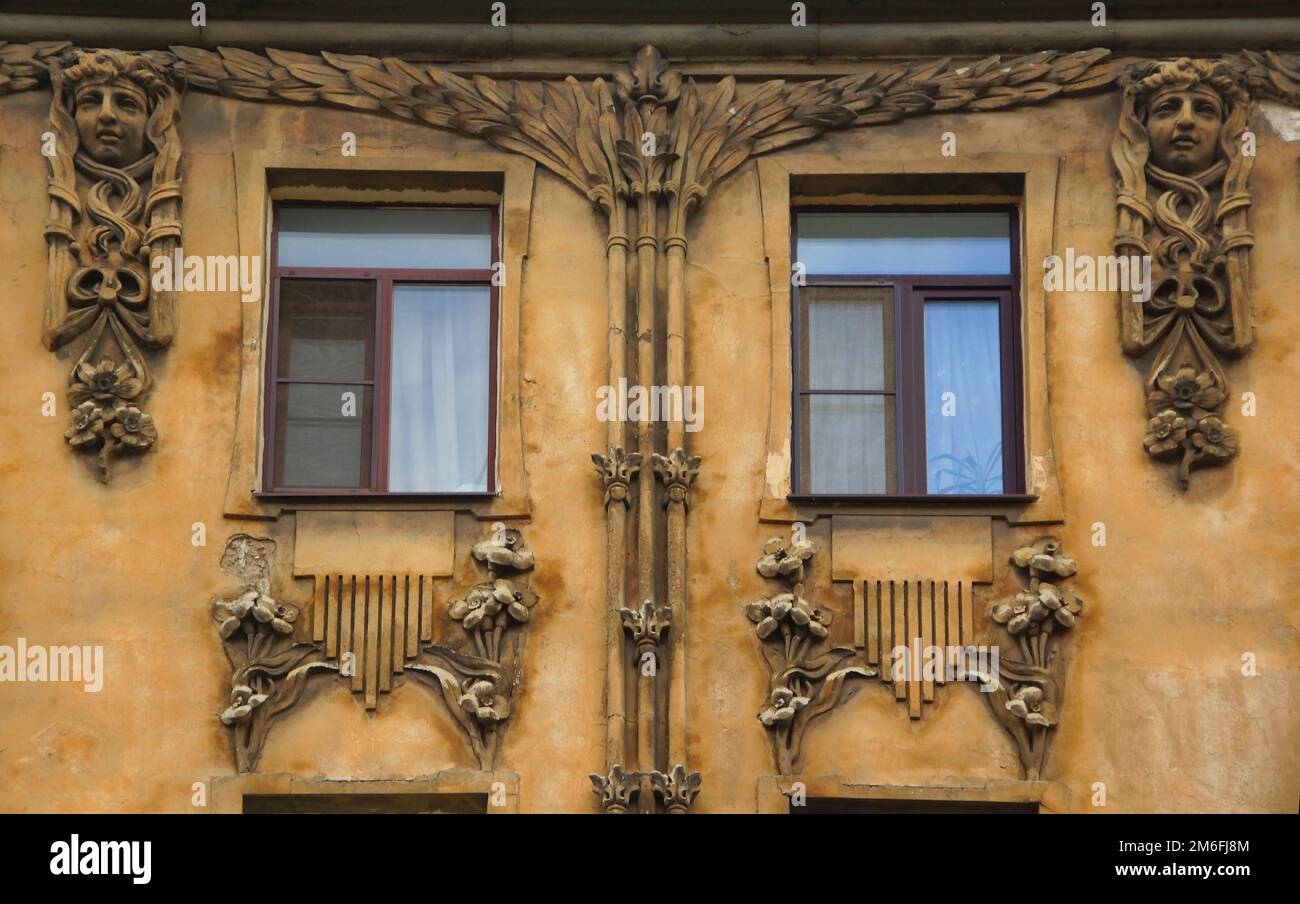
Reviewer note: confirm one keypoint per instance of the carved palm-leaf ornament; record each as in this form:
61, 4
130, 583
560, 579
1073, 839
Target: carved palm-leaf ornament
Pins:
566, 129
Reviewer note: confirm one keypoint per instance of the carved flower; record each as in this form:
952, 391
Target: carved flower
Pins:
505, 549
1030, 704
1044, 557
105, 383
1015, 611
242, 703
765, 614
481, 698
489, 600
768, 614
783, 560
261, 607
817, 621
1215, 438
460, 609
1185, 390
284, 618
87, 424
281, 618
521, 602
781, 706
1165, 433
133, 427
1062, 602
232, 614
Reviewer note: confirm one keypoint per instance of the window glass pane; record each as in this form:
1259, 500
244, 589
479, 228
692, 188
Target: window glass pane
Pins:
324, 434
847, 444
385, 237
327, 329
847, 337
971, 243
963, 397
438, 435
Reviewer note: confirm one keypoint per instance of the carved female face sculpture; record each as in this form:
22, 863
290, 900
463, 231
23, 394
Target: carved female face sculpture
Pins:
111, 118
1184, 123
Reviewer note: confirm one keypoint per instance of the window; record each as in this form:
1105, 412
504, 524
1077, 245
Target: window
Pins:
908, 805
353, 802
381, 373
906, 344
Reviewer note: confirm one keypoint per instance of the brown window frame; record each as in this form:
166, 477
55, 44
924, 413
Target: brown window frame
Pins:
911, 291
382, 352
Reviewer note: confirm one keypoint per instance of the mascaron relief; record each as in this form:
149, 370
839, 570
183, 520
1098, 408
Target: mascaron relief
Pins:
1184, 163
115, 195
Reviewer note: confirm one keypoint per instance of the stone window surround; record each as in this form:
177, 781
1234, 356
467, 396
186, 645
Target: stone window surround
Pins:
264, 177
779, 178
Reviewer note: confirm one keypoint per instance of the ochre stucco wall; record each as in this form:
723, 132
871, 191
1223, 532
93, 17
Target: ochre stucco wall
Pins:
1155, 703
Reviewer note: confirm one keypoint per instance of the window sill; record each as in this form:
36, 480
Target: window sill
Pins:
1015, 508
917, 498
328, 495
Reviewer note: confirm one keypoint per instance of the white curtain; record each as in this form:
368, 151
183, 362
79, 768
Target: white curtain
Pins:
847, 344
963, 431
438, 439
852, 438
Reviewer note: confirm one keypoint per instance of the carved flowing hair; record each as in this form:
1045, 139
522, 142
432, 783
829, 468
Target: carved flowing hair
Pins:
1189, 222
124, 218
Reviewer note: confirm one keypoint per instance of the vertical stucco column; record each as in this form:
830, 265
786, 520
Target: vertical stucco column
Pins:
647, 250
647, 247
645, 717
615, 503
676, 362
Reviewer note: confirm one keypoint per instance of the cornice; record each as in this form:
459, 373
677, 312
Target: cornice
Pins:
698, 43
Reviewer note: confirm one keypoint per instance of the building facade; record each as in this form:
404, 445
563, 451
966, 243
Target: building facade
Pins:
580, 416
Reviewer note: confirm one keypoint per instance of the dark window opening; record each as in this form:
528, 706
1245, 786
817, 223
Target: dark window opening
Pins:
928, 807
365, 803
